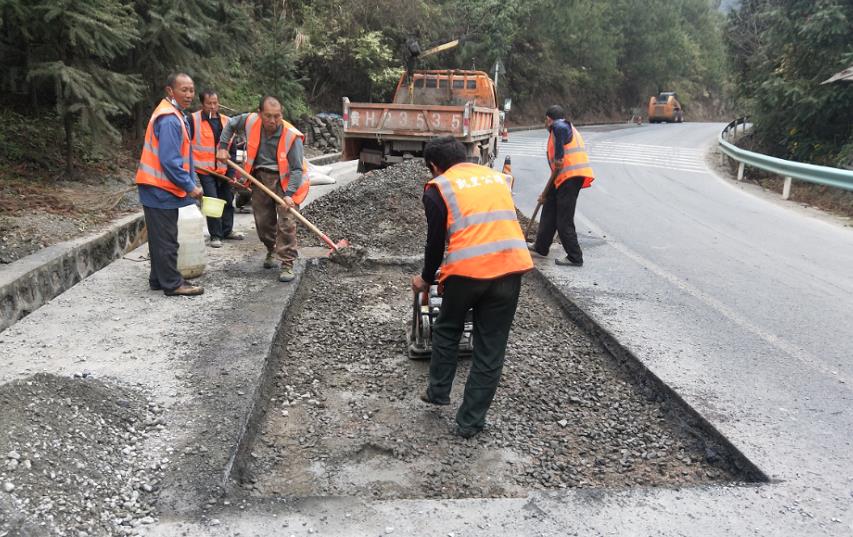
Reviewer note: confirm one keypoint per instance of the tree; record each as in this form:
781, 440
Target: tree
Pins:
74, 43
781, 51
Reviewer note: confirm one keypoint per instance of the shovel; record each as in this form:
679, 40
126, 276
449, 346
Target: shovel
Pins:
335, 247
532, 219
230, 180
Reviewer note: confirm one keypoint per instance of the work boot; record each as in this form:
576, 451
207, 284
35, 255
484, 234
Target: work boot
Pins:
215, 242
269, 262
235, 236
286, 274
532, 247
566, 262
185, 289
426, 399
466, 433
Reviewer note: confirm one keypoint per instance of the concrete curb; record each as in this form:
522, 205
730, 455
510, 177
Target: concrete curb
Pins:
28, 283
32, 281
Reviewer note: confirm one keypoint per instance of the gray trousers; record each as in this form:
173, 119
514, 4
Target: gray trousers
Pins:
276, 226
162, 225
494, 303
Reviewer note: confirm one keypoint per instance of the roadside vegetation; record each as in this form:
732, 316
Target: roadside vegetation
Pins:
781, 51
93, 69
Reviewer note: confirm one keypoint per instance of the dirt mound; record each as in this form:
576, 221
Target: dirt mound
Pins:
71, 457
382, 211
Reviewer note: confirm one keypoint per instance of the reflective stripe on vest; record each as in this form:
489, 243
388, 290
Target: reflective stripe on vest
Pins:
484, 238
204, 145
149, 171
575, 160
289, 135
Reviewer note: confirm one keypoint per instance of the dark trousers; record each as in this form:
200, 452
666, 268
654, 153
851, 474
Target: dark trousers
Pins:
162, 225
558, 215
217, 188
494, 303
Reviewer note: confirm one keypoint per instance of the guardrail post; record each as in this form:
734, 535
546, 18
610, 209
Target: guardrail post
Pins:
786, 188
740, 168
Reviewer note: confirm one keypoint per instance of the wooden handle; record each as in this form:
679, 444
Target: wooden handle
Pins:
532, 219
281, 202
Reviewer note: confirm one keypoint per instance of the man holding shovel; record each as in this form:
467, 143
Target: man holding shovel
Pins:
274, 155
570, 171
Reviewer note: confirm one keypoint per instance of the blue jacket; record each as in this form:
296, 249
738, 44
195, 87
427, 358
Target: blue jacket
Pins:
167, 129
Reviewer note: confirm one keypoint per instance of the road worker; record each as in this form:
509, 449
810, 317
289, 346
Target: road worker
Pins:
274, 155
470, 208
570, 171
166, 181
205, 130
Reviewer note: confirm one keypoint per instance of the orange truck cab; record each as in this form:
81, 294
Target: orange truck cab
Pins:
445, 102
665, 107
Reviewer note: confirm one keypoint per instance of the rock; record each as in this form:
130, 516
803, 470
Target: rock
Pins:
13, 455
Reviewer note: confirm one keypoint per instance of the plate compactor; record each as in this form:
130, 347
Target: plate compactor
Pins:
425, 307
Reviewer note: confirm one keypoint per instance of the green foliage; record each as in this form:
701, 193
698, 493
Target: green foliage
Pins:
781, 51
102, 63
73, 43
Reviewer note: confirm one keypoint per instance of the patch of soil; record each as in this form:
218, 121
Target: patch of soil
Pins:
344, 417
71, 460
38, 213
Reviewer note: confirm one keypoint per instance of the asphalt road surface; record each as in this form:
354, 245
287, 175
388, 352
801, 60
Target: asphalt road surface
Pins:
778, 274
740, 301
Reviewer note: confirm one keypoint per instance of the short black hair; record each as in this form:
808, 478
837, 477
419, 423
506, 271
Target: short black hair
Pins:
205, 94
266, 98
172, 79
556, 112
444, 152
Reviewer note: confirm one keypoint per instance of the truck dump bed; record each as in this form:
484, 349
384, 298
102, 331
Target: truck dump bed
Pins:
437, 103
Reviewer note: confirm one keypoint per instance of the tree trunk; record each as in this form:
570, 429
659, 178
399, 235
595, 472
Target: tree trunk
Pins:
69, 151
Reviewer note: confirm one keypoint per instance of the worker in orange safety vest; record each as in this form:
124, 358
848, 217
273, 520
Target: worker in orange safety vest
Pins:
570, 172
470, 209
165, 181
205, 130
275, 156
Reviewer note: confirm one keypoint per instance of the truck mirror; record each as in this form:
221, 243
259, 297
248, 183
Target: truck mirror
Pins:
507, 105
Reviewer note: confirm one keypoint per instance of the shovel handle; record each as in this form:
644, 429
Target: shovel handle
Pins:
281, 202
532, 219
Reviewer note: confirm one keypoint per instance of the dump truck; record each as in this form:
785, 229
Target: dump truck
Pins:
665, 107
426, 104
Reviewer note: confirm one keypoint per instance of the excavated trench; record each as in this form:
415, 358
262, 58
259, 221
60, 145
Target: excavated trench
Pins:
342, 415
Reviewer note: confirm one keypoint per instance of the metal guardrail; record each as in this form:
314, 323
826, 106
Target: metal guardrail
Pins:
821, 175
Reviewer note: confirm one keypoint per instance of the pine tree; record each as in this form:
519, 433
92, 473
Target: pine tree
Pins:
176, 35
74, 45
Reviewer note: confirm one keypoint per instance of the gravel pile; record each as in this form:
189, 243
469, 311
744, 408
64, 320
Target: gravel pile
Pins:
72, 460
382, 211
345, 419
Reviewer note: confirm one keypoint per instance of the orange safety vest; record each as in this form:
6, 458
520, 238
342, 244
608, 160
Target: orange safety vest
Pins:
289, 135
149, 171
204, 145
575, 160
484, 238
